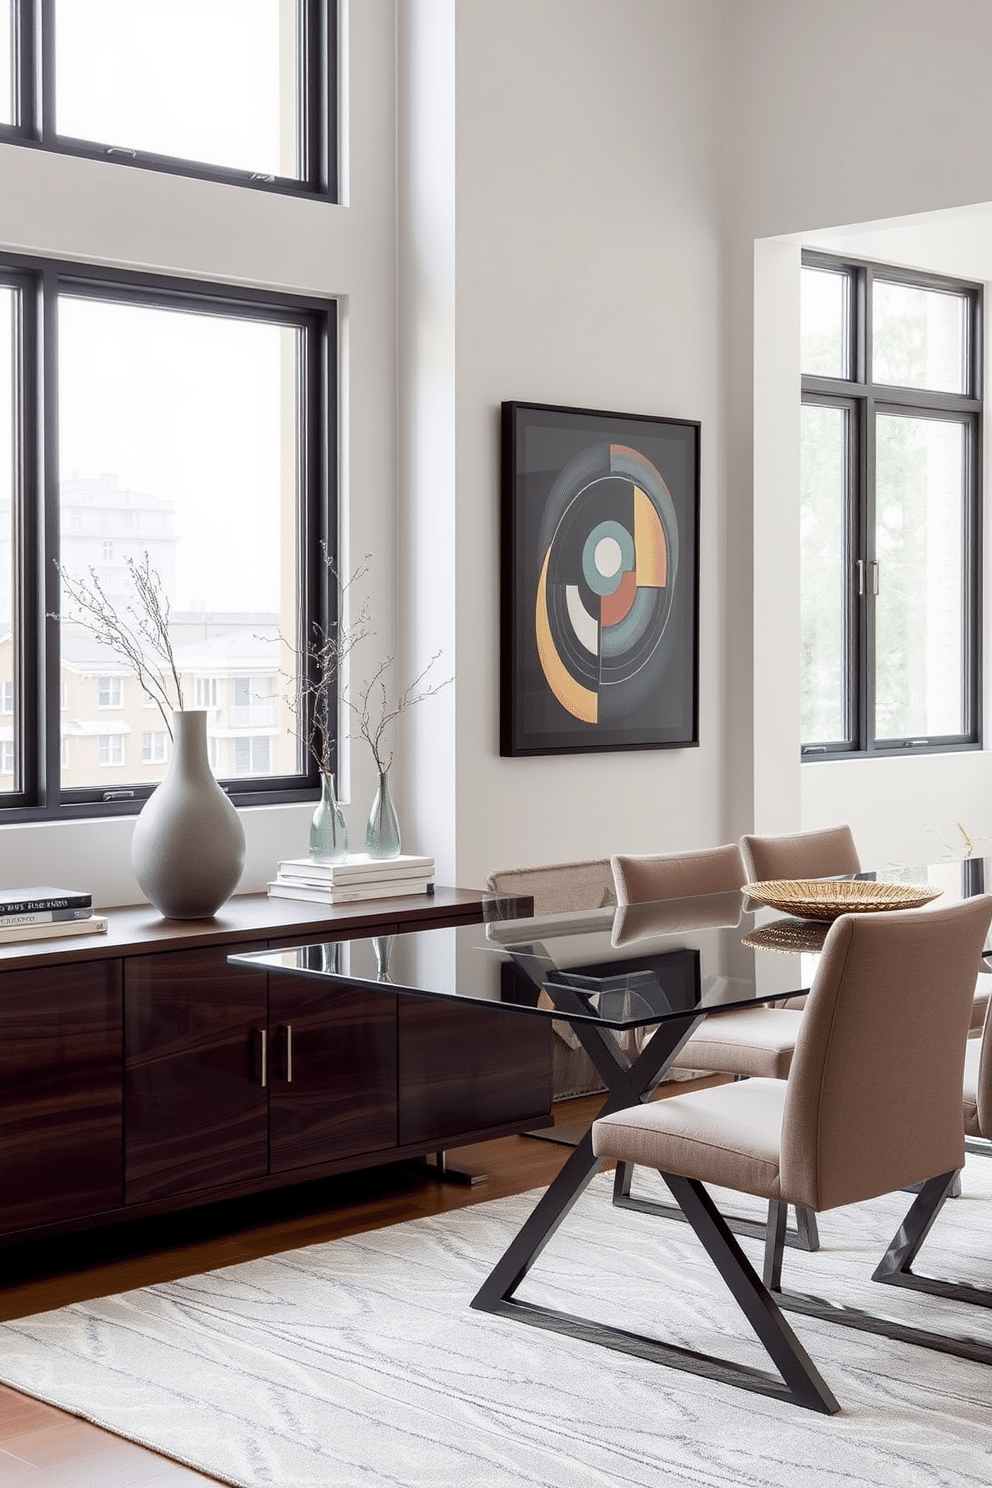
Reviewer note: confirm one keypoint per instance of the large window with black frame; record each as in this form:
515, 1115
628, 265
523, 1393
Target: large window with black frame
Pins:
180, 430
889, 510
241, 91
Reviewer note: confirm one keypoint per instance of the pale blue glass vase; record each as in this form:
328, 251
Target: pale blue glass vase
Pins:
382, 835
328, 832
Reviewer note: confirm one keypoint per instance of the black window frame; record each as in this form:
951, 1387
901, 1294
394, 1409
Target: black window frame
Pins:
864, 399
35, 516
33, 67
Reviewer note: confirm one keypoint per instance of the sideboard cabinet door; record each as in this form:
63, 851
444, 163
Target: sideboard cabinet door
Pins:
195, 1107
463, 1069
60, 1093
332, 1091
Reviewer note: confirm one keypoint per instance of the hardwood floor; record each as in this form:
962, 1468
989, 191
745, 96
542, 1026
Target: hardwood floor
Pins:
41, 1447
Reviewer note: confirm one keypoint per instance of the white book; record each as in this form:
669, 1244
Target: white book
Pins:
357, 869
352, 893
93, 926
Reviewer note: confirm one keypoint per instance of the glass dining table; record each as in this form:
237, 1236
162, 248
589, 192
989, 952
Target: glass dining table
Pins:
610, 974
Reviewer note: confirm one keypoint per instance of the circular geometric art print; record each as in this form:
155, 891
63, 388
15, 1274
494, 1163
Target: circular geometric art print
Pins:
609, 564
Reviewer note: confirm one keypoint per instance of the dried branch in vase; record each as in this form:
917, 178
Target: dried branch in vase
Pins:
319, 677
320, 684
967, 848
139, 635
374, 713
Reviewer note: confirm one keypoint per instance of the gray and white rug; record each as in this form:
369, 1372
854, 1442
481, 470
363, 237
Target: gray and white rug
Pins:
358, 1363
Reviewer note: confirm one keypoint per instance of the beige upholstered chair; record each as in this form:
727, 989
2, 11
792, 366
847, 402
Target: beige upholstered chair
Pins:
896, 1265
978, 1084
557, 888
709, 870
756, 1041
869, 1106
749, 1042
828, 853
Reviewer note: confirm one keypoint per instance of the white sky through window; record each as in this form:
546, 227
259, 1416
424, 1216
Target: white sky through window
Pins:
190, 409
197, 79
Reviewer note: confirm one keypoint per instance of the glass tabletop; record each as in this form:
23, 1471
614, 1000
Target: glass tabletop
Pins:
619, 967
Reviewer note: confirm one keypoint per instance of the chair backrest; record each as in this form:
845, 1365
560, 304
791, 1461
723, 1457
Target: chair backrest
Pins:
641, 879
823, 854
873, 1100
557, 888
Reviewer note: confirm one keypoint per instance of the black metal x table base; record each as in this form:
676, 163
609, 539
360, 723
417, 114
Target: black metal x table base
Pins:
628, 1083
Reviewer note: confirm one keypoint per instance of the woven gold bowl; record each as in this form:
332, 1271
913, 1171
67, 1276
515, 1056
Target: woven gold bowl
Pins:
826, 898
789, 935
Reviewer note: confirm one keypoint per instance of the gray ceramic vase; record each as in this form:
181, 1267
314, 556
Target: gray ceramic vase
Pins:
188, 848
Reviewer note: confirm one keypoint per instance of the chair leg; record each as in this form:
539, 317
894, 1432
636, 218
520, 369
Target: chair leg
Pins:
807, 1233
895, 1267
622, 1179
804, 1237
778, 1213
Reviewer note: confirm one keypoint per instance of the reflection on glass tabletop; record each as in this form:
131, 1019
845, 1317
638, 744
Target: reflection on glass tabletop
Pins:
618, 967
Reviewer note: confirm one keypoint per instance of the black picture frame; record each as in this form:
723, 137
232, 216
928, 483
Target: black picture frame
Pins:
599, 581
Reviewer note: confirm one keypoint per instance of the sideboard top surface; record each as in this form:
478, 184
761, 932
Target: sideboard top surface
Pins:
136, 930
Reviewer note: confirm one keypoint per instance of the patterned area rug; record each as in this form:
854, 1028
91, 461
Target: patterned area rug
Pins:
359, 1362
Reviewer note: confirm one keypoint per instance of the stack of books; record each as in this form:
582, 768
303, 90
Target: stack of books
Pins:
42, 913
358, 877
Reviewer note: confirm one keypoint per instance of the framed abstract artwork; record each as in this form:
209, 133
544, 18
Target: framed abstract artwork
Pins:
599, 604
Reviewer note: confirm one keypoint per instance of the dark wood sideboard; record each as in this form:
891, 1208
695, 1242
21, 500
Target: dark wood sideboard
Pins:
140, 1074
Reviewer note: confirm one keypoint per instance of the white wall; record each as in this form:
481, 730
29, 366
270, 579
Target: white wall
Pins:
95, 211
588, 273
428, 573
583, 183
844, 114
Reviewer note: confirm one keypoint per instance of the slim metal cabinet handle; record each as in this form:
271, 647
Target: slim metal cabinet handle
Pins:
873, 569
289, 1053
263, 1046
859, 569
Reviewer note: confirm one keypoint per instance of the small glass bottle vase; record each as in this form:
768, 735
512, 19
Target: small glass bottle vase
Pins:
382, 835
328, 833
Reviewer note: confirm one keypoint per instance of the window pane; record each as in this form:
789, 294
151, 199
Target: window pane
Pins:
824, 317
919, 337
206, 80
919, 540
8, 635
178, 439
823, 605
6, 63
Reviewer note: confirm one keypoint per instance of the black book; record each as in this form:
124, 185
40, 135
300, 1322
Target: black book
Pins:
27, 901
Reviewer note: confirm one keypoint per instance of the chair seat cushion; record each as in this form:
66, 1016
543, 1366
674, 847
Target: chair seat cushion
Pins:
728, 1136
973, 1054
753, 1041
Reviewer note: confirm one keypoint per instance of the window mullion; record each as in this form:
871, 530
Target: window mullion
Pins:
972, 596
868, 547
27, 92
44, 71
49, 588
27, 689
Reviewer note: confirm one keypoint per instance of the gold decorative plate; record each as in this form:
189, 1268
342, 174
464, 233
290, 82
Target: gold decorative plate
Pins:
826, 898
